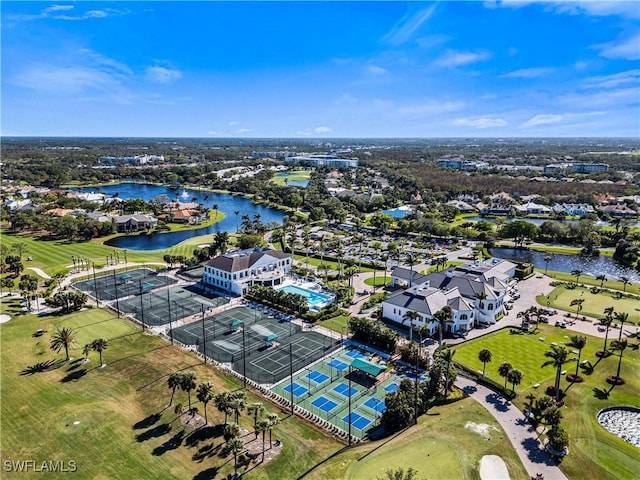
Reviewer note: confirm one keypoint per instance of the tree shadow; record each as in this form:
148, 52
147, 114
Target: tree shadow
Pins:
171, 444
202, 434
75, 364
501, 404
206, 451
158, 431
207, 474
469, 389
41, 367
601, 393
148, 421
74, 375
537, 454
587, 368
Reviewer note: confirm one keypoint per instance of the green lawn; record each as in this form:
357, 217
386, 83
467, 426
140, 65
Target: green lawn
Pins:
316, 262
379, 280
54, 256
440, 447
337, 324
592, 281
594, 453
279, 178
112, 421
213, 218
594, 304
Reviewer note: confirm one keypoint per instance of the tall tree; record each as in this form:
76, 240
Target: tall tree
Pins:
255, 409
235, 445
621, 317
273, 421
503, 371
410, 316
578, 342
515, 377
99, 345
557, 356
173, 382
547, 259
484, 356
63, 338
442, 316
577, 302
204, 393
602, 279
577, 273
620, 346
188, 383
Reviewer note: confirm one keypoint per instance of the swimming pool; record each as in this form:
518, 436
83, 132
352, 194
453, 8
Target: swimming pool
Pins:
313, 298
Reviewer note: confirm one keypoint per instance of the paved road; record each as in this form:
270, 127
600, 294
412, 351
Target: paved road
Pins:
521, 434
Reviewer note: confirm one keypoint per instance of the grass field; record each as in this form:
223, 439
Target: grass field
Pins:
337, 324
594, 452
54, 256
279, 178
379, 280
112, 421
594, 304
592, 281
440, 447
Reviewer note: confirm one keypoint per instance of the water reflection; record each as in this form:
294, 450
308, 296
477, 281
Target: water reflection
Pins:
560, 262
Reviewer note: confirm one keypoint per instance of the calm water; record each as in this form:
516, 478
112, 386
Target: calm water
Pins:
567, 263
227, 204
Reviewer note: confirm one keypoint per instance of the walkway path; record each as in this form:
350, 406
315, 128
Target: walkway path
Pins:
521, 434
40, 272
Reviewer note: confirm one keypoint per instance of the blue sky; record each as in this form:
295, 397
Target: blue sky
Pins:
321, 69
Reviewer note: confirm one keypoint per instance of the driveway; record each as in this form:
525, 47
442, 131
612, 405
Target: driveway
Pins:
521, 434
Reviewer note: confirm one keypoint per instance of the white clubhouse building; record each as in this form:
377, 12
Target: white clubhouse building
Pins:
236, 271
475, 293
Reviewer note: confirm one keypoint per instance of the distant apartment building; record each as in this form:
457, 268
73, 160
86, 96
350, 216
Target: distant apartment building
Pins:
459, 163
134, 160
324, 160
589, 167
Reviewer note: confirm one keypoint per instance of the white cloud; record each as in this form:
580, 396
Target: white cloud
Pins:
212, 132
482, 122
431, 41
233, 122
542, 119
407, 26
454, 58
322, 129
58, 8
65, 80
242, 131
614, 80
162, 75
628, 49
597, 8
529, 72
376, 70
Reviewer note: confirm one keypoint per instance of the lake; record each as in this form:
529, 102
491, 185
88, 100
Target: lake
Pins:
227, 204
560, 262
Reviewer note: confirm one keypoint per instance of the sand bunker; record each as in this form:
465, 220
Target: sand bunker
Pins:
4, 318
492, 467
481, 428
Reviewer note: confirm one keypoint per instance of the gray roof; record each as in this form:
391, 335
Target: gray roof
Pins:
468, 286
405, 274
243, 259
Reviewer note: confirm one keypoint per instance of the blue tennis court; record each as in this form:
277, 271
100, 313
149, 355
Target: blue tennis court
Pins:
392, 387
357, 421
375, 404
343, 389
297, 389
317, 376
337, 364
324, 404
354, 354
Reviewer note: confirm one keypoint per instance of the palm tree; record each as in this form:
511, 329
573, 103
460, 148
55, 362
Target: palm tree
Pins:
188, 383
503, 371
236, 212
558, 356
273, 421
215, 211
20, 248
235, 445
410, 315
255, 409
622, 317
99, 345
602, 278
515, 377
377, 246
621, 345
262, 426
625, 281
576, 273
85, 350
173, 382
447, 355
237, 403
577, 302
578, 342
205, 395
442, 316
485, 356
552, 416
547, 259
63, 338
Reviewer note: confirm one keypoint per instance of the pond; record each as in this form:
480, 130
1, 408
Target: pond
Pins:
292, 179
227, 204
561, 262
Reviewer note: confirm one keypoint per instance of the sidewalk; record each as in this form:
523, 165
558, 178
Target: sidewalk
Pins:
520, 433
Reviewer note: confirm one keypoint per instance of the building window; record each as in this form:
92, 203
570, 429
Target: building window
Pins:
490, 306
463, 316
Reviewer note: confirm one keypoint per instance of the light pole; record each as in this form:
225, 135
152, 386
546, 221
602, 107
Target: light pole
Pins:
204, 339
141, 307
115, 284
244, 358
349, 416
95, 285
291, 375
